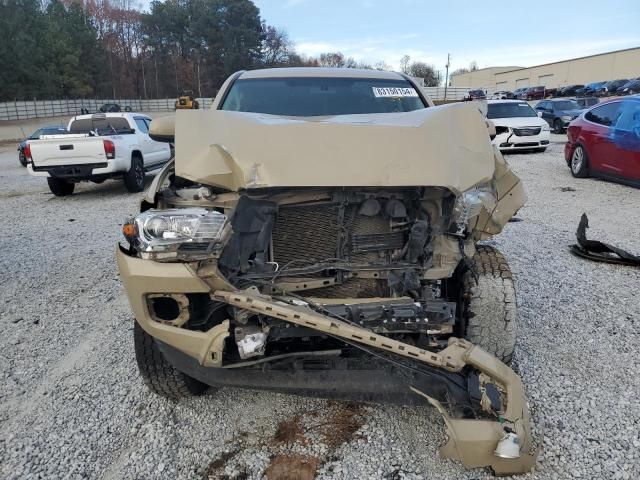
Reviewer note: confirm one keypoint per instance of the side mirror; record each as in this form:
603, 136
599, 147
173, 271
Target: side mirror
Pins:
491, 128
163, 129
539, 113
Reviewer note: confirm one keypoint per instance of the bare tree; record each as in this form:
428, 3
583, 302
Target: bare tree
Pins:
277, 48
382, 65
426, 72
404, 64
332, 59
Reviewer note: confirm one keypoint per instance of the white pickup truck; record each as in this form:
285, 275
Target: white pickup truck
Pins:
97, 147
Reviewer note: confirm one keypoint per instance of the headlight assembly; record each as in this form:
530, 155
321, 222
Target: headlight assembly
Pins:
566, 118
469, 205
182, 233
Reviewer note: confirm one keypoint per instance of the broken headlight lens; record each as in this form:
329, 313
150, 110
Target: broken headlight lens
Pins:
156, 231
469, 205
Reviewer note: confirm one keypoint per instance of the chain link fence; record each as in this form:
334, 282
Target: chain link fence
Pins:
24, 110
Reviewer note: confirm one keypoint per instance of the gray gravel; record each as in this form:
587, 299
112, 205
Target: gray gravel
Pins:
72, 404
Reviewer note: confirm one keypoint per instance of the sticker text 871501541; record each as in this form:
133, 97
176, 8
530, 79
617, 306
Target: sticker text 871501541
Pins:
394, 92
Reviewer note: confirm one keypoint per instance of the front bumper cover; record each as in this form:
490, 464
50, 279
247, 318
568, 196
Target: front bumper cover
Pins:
472, 441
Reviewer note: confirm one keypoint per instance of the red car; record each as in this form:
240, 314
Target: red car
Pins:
605, 142
534, 93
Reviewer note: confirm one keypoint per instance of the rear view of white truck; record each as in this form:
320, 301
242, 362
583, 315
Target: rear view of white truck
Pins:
97, 147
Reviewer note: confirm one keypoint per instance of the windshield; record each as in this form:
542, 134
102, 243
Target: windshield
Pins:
567, 105
310, 96
510, 110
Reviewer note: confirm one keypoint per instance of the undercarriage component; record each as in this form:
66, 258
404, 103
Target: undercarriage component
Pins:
600, 251
473, 442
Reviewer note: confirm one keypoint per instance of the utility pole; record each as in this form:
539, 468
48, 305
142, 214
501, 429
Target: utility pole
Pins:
144, 80
113, 85
446, 78
176, 70
199, 86
155, 62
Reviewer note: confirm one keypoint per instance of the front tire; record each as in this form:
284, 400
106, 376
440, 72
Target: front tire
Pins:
489, 306
134, 178
60, 187
579, 162
158, 374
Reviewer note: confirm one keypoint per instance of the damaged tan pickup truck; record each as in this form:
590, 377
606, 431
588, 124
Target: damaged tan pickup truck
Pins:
316, 235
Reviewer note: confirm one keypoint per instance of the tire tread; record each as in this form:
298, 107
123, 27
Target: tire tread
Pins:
489, 307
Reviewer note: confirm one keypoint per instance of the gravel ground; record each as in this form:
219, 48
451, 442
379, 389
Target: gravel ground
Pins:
72, 404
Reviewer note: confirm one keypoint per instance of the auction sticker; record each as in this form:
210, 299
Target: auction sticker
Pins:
394, 92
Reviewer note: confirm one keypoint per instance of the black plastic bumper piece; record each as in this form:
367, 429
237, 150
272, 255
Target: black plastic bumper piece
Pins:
344, 379
72, 172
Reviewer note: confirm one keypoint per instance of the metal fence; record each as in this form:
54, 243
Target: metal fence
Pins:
23, 110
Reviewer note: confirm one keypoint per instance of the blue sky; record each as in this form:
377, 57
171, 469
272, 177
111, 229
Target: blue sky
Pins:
491, 33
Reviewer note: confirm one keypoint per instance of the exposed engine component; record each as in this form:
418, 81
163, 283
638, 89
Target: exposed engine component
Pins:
251, 341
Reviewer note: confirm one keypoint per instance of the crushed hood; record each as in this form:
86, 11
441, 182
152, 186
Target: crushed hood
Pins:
445, 146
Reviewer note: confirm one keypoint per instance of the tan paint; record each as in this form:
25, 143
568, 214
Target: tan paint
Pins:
142, 277
445, 146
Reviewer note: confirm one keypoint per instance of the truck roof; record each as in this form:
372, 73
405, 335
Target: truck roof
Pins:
108, 115
320, 72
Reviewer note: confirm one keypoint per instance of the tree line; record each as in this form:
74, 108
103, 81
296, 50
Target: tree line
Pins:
111, 49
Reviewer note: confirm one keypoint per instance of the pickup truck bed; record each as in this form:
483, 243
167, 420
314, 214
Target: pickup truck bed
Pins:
99, 147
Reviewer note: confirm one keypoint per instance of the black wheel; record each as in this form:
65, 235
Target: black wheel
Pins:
60, 187
127, 108
196, 105
160, 376
134, 178
558, 127
579, 162
489, 314
22, 159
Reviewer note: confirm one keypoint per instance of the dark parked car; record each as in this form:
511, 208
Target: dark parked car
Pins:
113, 108
551, 92
110, 108
534, 93
476, 94
610, 88
590, 89
630, 88
569, 90
558, 112
48, 130
587, 102
605, 142
518, 92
